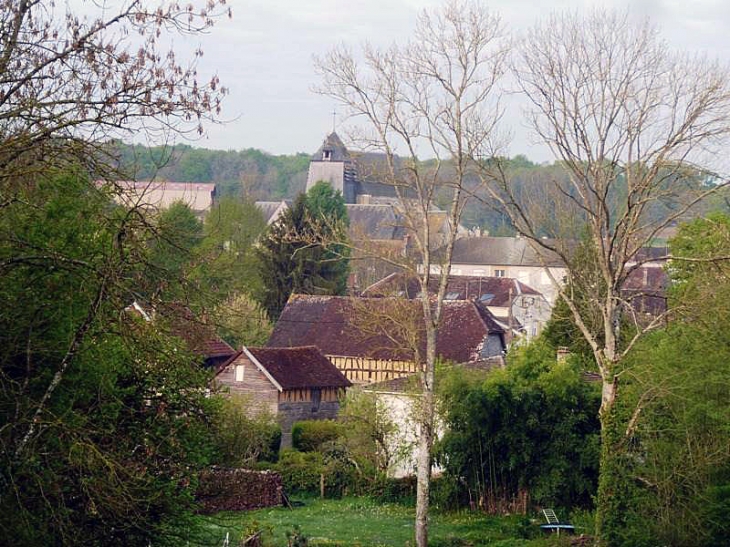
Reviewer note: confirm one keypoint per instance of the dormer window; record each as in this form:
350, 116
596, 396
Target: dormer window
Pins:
327, 155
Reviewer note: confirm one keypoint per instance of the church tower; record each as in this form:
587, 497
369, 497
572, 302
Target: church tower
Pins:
332, 163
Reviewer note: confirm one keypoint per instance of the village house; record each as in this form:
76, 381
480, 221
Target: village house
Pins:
518, 308
293, 383
377, 339
512, 257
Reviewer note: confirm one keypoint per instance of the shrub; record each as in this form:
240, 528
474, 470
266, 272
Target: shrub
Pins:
300, 471
242, 440
311, 435
390, 490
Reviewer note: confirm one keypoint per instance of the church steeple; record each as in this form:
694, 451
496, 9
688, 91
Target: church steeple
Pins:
332, 149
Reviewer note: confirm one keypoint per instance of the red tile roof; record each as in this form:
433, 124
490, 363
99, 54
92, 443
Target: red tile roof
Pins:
377, 327
296, 368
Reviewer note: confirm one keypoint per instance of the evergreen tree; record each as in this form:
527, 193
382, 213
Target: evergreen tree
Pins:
305, 251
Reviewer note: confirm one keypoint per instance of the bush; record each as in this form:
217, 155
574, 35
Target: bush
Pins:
390, 490
300, 471
311, 435
242, 440
716, 514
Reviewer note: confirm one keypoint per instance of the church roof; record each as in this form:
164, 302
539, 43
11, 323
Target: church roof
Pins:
334, 145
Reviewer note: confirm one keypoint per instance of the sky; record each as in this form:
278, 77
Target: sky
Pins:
264, 55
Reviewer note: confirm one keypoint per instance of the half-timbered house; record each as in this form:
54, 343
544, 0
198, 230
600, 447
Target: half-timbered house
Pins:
297, 383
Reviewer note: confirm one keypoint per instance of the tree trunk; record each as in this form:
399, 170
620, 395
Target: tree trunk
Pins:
425, 440
615, 490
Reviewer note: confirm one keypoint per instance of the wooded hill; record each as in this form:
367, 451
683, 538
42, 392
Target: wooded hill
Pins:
257, 175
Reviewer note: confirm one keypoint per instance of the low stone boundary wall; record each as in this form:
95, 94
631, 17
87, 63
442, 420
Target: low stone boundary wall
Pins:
226, 489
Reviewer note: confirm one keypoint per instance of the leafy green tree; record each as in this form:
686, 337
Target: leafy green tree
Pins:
530, 428
303, 252
231, 264
243, 438
242, 321
178, 234
371, 433
673, 472
102, 415
327, 209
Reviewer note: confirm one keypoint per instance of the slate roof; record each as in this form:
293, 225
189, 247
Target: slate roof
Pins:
500, 251
650, 254
458, 288
331, 323
297, 368
333, 144
375, 221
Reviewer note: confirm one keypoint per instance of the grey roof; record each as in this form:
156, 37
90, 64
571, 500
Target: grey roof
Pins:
375, 222
501, 251
333, 144
269, 208
492, 291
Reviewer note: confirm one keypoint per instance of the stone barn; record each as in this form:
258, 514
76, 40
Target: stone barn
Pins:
297, 383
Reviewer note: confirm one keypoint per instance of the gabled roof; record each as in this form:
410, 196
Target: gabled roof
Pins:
272, 210
294, 368
492, 291
371, 327
501, 251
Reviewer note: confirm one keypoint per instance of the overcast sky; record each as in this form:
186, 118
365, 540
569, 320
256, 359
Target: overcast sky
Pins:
264, 56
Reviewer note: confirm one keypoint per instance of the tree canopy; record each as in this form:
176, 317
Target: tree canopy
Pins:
305, 251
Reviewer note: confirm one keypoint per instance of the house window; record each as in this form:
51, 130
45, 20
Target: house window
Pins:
316, 399
327, 155
239, 372
500, 273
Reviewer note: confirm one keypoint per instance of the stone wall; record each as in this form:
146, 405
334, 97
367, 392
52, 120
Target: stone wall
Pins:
230, 489
290, 412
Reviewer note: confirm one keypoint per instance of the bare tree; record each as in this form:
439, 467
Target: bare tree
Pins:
436, 96
69, 81
633, 124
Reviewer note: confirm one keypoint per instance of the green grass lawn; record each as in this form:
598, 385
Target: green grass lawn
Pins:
362, 522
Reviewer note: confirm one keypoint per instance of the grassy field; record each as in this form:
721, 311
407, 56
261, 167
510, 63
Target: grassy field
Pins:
362, 522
